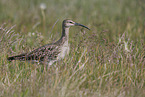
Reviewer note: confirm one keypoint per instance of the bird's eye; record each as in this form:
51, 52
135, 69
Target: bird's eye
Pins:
71, 22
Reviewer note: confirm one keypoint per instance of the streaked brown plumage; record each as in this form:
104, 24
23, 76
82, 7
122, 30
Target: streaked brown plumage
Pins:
50, 52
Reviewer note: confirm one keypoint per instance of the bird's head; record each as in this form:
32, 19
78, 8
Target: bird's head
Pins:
69, 23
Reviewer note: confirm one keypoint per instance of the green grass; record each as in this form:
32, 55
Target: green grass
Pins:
108, 60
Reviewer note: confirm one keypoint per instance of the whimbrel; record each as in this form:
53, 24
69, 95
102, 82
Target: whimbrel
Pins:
50, 52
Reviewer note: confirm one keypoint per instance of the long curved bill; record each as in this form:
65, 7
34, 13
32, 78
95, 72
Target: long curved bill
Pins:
77, 24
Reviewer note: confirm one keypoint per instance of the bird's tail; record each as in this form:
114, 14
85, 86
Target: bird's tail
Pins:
17, 57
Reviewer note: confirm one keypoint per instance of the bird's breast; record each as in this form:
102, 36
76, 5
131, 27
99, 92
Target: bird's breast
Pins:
64, 50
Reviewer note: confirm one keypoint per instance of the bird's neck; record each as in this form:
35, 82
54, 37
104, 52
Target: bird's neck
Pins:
64, 37
65, 32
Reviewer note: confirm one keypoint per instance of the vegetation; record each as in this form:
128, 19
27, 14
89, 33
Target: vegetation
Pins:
108, 60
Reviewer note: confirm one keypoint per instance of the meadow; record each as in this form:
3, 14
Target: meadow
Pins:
107, 61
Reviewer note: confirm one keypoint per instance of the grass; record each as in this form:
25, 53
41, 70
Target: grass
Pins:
107, 61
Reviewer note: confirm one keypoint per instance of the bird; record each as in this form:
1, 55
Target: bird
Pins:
51, 52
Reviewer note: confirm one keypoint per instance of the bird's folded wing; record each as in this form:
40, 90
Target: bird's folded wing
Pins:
48, 52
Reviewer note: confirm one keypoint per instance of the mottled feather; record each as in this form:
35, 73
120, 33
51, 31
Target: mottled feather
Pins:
50, 52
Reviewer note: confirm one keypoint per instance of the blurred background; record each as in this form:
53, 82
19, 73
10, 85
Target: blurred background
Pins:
117, 16
112, 52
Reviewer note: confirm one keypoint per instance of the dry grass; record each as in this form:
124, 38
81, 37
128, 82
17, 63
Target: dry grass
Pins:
107, 61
